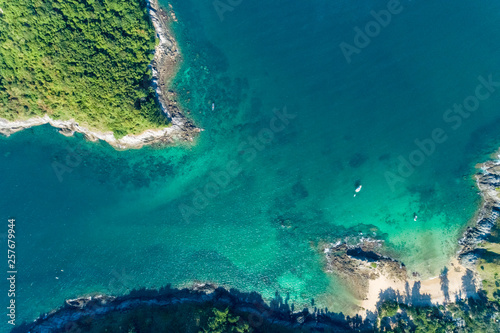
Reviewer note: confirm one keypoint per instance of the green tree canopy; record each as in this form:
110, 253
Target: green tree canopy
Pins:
81, 59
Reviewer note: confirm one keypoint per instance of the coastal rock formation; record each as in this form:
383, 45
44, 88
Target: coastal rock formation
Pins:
168, 135
488, 182
360, 263
165, 65
86, 301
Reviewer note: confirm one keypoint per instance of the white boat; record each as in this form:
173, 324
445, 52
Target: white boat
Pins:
357, 190
213, 106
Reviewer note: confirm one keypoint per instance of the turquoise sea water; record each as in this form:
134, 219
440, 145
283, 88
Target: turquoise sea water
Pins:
146, 218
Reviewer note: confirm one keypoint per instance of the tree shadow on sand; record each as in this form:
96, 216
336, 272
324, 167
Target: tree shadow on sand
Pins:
445, 284
390, 295
411, 296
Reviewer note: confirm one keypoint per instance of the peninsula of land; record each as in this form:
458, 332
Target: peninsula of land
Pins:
151, 116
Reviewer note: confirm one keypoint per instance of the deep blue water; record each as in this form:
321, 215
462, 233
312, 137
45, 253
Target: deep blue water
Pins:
124, 220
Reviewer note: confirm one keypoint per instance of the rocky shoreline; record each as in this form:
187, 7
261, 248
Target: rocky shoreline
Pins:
358, 264
255, 309
488, 183
164, 67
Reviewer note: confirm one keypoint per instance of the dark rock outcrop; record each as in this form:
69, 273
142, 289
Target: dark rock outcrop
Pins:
488, 182
164, 66
359, 263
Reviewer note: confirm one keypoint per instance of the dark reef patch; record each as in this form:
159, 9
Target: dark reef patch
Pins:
357, 160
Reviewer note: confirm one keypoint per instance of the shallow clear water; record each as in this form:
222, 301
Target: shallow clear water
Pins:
146, 218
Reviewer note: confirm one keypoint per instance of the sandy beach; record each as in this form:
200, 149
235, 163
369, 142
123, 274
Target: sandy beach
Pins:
457, 282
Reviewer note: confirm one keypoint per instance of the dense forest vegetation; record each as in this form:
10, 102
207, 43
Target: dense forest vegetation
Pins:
471, 316
81, 59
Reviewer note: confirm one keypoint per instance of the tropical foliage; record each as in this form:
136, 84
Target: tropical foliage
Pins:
470, 316
81, 59
224, 322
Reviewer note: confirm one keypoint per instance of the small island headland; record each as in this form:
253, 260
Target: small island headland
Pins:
163, 68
